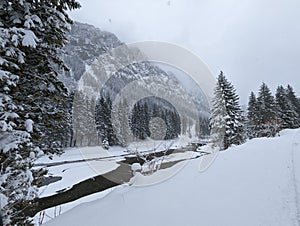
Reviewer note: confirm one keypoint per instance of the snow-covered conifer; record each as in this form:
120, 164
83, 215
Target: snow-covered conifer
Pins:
294, 101
227, 121
287, 112
267, 113
252, 116
31, 35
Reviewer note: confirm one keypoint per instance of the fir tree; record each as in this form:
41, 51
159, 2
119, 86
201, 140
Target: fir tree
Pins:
101, 117
142, 113
112, 139
218, 117
267, 113
31, 36
184, 125
294, 100
252, 116
104, 122
204, 129
226, 120
140, 121
124, 123
286, 110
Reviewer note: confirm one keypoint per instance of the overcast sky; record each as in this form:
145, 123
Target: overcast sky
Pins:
252, 41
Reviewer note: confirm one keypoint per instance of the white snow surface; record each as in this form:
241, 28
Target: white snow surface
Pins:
29, 125
150, 145
75, 172
256, 183
29, 38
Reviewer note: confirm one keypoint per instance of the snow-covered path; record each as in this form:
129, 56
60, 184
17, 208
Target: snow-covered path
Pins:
296, 171
253, 184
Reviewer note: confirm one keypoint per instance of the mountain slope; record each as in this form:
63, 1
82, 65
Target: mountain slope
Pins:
83, 55
102, 66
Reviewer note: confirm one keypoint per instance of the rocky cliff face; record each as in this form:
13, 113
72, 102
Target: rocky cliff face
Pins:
100, 63
87, 43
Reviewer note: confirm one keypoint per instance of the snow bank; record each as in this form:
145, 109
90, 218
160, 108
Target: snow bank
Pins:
75, 172
253, 184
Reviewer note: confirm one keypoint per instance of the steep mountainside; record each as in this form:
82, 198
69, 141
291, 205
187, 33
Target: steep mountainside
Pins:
100, 63
87, 43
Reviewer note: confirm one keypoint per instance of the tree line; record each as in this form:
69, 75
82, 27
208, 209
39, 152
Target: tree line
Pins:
137, 119
265, 115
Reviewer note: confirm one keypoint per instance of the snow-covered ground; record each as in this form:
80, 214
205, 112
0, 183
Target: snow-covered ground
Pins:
253, 184
73, 173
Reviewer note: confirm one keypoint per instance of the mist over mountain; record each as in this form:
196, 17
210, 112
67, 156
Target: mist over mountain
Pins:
84, 56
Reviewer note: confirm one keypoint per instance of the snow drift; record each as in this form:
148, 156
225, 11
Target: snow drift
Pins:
256, 183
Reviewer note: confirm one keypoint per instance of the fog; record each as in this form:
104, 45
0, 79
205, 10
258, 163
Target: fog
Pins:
252, 41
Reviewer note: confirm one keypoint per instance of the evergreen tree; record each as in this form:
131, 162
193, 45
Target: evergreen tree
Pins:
142, 113
68, 133
101, 117
103, 122
31, 36
286, 110
190, 124
218, 117
204, 129
226, 119
205, 126
112, 139
267, 113
124, 123
134, 120
252, 116
184, 125
144, 123
294, 100
140, 120
79, 118
175, 124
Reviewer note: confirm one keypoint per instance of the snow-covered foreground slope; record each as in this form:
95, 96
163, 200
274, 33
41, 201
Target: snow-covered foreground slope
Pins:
76, 172
253, 184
